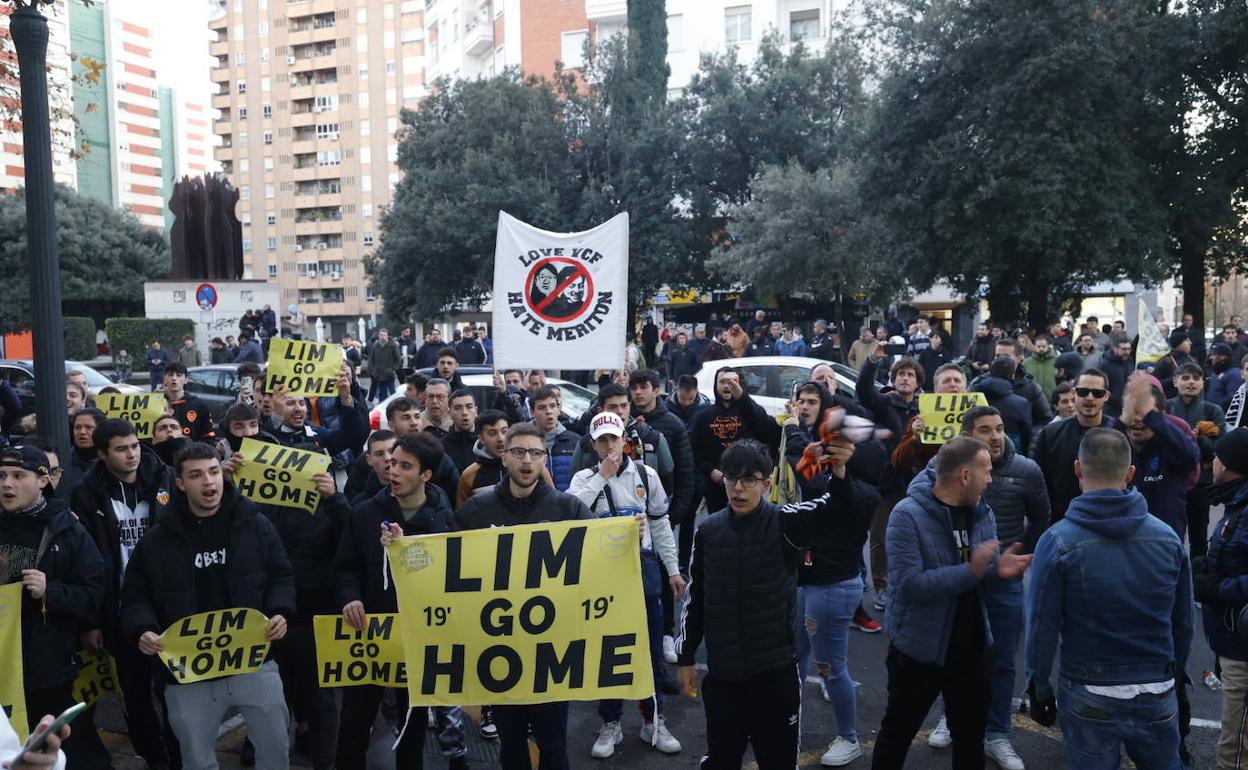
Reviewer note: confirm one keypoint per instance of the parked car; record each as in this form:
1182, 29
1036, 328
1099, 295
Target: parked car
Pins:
770, 380
20, 373
576, 400
217, 385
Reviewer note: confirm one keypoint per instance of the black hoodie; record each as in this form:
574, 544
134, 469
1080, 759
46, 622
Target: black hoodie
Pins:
94, 504
75, 586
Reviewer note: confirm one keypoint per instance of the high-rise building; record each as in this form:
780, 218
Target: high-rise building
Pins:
12, 161
480, 38
309, 93
119, 119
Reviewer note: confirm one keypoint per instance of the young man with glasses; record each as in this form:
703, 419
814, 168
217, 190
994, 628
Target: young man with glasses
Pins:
525, 497
1056, 447
742, 592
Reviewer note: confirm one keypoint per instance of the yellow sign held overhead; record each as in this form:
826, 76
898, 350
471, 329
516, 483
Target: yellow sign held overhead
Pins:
278, 475
303, 368
141, 410
346, 656
211, 645
942, 414
526, 614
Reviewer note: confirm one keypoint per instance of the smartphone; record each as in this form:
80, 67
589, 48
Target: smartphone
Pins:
796, 386
37, 741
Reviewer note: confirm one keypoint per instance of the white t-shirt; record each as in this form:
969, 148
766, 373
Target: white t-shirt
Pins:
132, 525
10, 744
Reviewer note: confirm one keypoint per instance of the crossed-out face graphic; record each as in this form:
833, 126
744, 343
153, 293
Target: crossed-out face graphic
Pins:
559, 290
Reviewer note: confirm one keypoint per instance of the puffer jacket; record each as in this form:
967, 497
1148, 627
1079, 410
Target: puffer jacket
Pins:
925, 572
561, 445
743, 582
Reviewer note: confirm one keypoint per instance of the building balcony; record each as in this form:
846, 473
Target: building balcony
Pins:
606, 10
221, 101
319, 227
317, 200
223, 153
301, 92
305, 174
304, 147
219, 74
479, 37
219, 48
304, 118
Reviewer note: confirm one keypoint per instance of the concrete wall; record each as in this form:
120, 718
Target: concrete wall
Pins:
176, 299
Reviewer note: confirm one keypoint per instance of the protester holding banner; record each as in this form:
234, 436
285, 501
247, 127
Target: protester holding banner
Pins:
212, 551
126, 492
291, 413
192, 412
524, 497
410, 505
911, 454
621, 486
43, 547
742, 590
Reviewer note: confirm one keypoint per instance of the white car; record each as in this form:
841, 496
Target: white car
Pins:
771, 380
576, 400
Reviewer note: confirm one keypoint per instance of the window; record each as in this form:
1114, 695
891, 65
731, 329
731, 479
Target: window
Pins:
266, 84
244, 193
392, 96
242, 140
240, 59
268, 163
392, 126
263, 28
368, 239
328, 157
270, 218
264, 54
326, 103
326, 130
366, 183
238, 32
804, 25
271, 243
676, 32
737, 24
361, 43
268, 191
366, 128
573, 49
390, 67
266, 110
333, 295
306, 269
242, 86
268, 138
363, 100
412, 35
388, 11
366, 156
367, 210
244, 166
369, 296
387, 37
394, 180
246, 244
361, 15
362, 71
245, 219
392, 152
242, 113
272, 270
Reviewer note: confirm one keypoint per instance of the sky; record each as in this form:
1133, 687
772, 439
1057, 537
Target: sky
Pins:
180, 31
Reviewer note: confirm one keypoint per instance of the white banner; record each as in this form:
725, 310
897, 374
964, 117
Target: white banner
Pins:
1152, 345
560, 299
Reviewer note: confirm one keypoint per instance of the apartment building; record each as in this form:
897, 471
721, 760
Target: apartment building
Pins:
481, 38
309, 94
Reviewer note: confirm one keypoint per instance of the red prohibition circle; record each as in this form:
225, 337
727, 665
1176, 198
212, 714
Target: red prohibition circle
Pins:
539, 309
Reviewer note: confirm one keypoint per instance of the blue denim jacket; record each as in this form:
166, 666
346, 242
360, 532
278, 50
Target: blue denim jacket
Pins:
925, 574
1114, 581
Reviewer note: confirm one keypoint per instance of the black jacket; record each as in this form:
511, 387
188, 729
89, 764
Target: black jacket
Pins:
1014, 409
362, 483
311, 540
744, 581
1117, 369
75, 587
427, 355
889, 411
821, 346
686, 413
682, 361
159, 587
1054, 449
684, 474
723, 424
981, 350
358, 562
498, 508
92, 503
458, 446
1026, 386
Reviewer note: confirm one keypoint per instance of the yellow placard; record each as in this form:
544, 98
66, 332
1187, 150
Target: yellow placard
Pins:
12, 689
97, 676
141, 410
346, 656
525, 614
942, 414
211, 645
278, 475
303, 368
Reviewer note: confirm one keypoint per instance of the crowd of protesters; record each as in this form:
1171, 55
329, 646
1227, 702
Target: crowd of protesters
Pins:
1086, 480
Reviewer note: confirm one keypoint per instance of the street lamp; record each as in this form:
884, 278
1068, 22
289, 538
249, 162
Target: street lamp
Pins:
29, 30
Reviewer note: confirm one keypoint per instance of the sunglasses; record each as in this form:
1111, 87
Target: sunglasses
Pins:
1090, 392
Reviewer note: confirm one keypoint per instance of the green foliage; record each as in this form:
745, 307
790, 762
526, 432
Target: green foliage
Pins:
105, 254
134, 335
79, 338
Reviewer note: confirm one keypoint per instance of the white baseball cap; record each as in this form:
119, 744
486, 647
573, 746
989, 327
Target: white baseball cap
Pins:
606, 423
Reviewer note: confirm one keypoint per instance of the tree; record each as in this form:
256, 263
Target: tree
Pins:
106, 256
1007, 148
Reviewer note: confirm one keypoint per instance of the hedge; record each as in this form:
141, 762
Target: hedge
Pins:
135, 334
79, 338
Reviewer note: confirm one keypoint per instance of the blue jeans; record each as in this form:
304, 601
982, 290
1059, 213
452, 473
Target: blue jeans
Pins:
823, 615
1004, 602
1096, 728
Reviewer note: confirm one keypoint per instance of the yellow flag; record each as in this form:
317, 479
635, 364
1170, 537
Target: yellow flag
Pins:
526, 614
346, 656
942, 414
303, 368
141, 410
1152, 345
278, 475
211, 645
12, 689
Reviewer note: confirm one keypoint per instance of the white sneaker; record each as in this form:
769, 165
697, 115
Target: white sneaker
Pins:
840, 752
656, 735
1000, 750
940, 737
609, 736
669, 649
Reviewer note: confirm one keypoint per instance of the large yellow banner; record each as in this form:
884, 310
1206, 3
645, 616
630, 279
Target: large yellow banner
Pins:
347, 656
303, 368
942, 414
211, 645
97, 676
278, 475
12, 690
141, 410
532, 614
